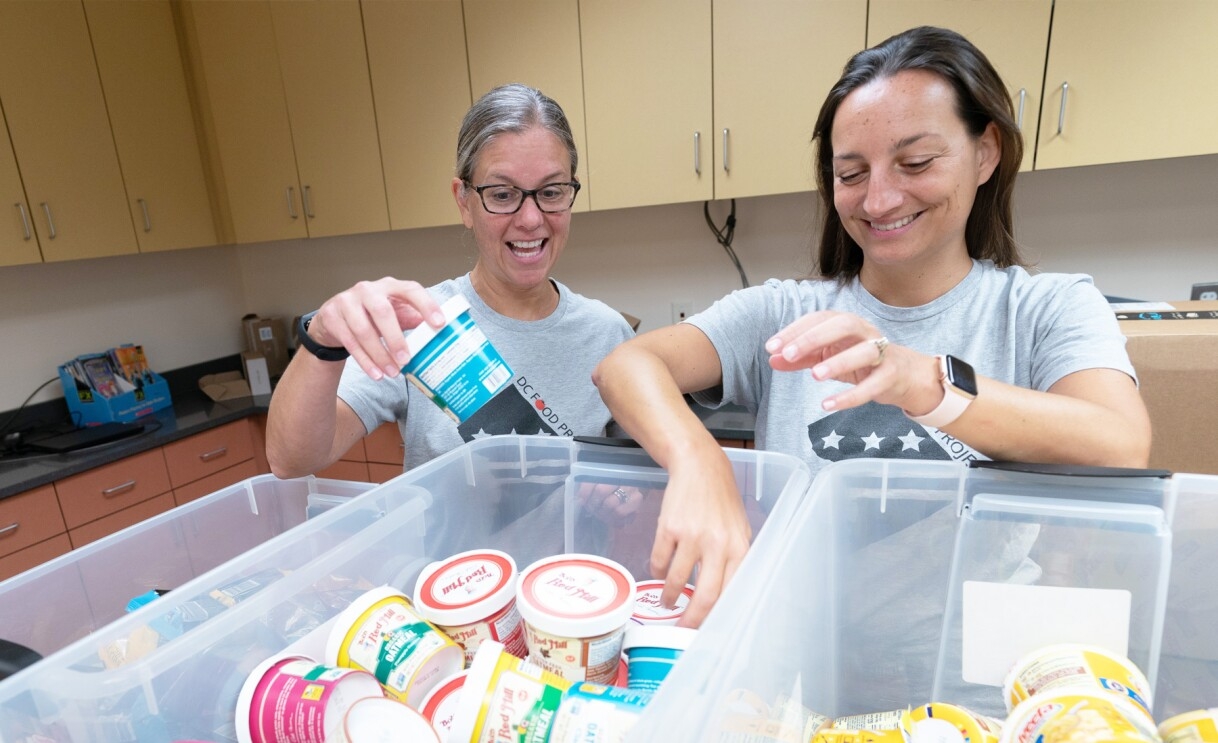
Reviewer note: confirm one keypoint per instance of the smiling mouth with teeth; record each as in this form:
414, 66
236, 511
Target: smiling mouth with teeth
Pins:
526, 247
894, 225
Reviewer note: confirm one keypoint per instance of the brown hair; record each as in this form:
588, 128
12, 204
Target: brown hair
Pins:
981, 98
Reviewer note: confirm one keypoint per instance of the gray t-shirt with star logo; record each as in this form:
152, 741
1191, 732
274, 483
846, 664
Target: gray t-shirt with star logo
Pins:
1023, 329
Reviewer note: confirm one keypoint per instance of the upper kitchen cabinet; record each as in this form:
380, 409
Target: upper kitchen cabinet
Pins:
60, 133
1013, 34
325, 74
420, 82
554, 68
286, 102
1129, 80
769, 82
647, 98
140, 64
17, 241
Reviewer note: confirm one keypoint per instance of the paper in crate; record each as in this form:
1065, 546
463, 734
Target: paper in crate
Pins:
117, 385
528, 496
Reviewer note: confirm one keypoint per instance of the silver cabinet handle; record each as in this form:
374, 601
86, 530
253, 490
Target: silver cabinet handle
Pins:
1061, 115
118, 489
9, 529
698, 153
46, 209
208, 456
147, 222
1023, 98
25, 220
725, 166
308, 205
291, 203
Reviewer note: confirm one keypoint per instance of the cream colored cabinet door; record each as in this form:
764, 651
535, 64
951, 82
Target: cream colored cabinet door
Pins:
769, 85
140, 64
420, 83
554, 68
325, 75
647, 98
245, 119
1129, 80
1013, 35
18, 244
57, 121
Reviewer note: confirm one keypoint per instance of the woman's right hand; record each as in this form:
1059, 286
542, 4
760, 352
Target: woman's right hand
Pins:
369, 319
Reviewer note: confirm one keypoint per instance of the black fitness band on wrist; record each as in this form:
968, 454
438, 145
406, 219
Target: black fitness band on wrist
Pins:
325, 353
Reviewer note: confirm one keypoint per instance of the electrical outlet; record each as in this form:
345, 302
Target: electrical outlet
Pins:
681, 310
1200, 291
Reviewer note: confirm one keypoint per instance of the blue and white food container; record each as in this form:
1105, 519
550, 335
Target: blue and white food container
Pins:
651, 651
594, 713
456, 366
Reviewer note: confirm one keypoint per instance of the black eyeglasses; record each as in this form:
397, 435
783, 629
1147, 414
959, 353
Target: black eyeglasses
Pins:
552, 198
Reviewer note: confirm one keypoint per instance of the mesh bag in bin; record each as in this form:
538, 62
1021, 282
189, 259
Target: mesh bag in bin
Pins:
902, 583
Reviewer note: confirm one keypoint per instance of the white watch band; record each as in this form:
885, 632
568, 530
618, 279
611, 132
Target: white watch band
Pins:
955, 402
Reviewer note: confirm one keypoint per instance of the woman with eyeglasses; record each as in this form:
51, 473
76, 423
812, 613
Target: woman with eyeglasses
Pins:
514, 186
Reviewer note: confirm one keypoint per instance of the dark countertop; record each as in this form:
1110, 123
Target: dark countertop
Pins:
190, 414
195, 413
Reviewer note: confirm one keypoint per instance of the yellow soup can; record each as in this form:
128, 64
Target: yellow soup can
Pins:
1200, 726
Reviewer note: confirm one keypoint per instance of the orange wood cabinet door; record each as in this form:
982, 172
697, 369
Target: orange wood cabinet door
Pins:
119, 520
104, 490
29, 518
212, 483
32, 557
209, 452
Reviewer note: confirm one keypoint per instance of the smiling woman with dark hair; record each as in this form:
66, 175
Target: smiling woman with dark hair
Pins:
924, 338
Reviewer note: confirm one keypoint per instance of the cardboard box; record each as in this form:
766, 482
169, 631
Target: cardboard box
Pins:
224, 386
1175, 352
267, 337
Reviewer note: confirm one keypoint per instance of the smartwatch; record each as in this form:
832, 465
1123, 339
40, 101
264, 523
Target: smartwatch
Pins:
325, 353
959, 390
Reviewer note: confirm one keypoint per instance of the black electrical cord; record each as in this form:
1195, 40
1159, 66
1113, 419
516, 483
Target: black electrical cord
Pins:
724, 235
13, 417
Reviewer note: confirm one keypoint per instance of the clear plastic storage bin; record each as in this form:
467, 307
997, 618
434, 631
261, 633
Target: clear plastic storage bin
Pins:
50, 606
903, 583
530, 496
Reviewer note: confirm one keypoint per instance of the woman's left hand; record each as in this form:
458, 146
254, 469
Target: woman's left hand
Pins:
847, 348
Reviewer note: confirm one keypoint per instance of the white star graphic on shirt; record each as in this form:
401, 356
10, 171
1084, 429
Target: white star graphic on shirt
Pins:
911, 440
832, 440
872, 441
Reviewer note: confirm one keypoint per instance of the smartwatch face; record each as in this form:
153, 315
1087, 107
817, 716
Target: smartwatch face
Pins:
961, 376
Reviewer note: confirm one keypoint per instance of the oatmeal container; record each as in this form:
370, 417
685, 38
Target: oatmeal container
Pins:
506, 699
293, 699
651, 651
472, 598
1078, 716
456, 366
947, 723
1200, 726
649, 610
592, 713
384, 720
440, 704
576, 608
1083, 667
381, 633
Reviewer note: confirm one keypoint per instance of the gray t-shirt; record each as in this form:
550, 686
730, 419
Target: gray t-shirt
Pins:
551, 392
1026, 330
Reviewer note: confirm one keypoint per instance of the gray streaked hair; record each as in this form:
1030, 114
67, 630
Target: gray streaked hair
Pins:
511, 108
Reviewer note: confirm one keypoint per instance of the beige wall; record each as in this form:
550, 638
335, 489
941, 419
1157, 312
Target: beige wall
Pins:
1142, 229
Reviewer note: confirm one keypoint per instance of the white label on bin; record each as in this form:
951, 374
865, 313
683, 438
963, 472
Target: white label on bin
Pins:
1004, 622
